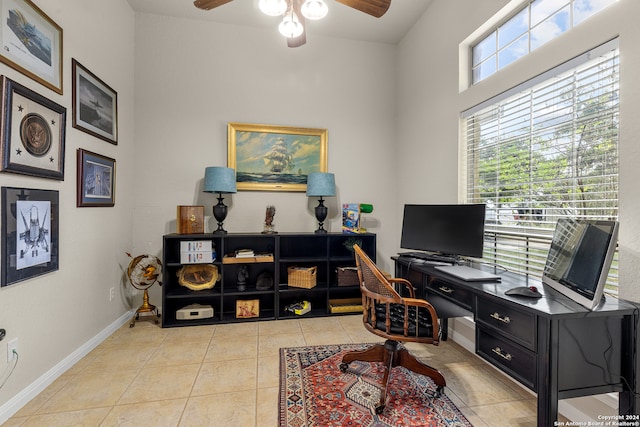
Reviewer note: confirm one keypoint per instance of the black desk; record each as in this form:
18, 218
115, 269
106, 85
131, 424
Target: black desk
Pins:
552, 345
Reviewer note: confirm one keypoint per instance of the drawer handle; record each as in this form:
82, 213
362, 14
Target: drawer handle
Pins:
445, 289
504, 319
499, 352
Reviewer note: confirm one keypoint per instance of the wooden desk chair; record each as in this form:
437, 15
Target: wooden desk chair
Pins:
387, 314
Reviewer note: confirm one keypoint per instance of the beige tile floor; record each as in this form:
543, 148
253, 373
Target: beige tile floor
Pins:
227, 376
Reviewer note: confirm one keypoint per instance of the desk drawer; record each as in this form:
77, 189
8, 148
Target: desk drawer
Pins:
513, 323
512, 358
458, 294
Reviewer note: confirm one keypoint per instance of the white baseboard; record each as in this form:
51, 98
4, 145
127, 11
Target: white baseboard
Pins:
32, 390
584, 409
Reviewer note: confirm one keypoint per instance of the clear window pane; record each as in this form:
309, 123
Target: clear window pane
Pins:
484, 49
543, 9
582, 9
484, 70
513, 28
550, 28
514, 51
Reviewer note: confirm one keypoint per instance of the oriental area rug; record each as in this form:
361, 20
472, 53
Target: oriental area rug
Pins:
315, 393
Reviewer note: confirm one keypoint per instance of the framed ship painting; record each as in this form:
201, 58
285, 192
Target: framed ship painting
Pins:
275, 158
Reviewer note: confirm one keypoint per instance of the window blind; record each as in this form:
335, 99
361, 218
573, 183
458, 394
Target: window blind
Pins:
544, 151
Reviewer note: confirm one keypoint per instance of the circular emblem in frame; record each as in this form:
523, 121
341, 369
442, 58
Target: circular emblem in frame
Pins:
35, 134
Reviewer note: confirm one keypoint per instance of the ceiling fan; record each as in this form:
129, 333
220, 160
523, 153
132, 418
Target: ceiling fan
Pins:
294, 13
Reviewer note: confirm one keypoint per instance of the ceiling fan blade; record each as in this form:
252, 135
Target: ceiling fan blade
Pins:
302, 38
375, 8
209, 4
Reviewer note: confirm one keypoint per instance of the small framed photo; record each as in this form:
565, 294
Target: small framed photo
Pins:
96, 180
29, 233
31, 42
95, 104
246, 309
32, 135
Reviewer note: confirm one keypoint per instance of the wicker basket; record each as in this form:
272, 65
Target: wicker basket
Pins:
347, 276
302, 277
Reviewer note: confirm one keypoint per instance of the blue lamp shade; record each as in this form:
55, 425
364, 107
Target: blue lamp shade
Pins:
321, 184
219, 180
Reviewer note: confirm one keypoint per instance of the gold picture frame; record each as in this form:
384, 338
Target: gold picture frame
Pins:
275, 158
31, 42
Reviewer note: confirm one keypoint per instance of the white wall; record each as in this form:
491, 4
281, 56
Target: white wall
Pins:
55, 314
194, 77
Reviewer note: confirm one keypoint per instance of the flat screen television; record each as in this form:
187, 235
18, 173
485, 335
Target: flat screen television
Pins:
448, 230
580, 257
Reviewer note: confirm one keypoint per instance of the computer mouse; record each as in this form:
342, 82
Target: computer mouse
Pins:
524, 291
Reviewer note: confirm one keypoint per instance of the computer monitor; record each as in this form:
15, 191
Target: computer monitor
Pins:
451, 230
580, 257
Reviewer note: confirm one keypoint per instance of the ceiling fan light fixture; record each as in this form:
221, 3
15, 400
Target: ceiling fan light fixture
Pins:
273, 7
290, 26
314, 9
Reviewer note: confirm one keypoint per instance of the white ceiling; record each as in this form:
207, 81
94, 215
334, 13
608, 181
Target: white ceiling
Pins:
342, 21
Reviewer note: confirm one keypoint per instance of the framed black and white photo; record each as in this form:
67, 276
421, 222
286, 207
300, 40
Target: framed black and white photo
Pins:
96, 179
95, 104
31, 42
33, 132
29, 233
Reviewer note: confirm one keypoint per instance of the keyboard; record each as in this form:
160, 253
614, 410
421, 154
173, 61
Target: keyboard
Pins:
468, 274
428, 257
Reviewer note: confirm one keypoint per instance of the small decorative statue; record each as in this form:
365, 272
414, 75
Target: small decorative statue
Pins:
269, 226
243, 274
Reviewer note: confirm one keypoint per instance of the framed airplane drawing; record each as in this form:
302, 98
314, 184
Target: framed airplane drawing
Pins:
29, 233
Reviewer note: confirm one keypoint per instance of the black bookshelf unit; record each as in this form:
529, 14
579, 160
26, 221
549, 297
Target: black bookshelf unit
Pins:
275, 254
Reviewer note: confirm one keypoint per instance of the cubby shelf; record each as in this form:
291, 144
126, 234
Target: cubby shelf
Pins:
325, 251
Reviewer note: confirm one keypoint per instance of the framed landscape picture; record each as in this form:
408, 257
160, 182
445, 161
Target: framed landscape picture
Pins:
32, 133
29, 233
31, 42
96, 180
275, 158
95, 104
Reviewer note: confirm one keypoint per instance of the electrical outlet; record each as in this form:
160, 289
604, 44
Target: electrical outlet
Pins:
112, 294
12, 349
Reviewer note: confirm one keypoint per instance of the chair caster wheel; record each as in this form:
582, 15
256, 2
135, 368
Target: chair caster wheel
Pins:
379, 409
344, 367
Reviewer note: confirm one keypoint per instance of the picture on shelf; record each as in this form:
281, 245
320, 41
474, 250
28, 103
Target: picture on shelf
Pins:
246, 309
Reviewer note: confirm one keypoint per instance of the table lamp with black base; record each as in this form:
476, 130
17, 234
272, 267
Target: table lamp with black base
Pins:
220, 180
321, 184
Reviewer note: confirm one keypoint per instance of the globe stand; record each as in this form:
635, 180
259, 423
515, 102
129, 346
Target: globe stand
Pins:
145, 308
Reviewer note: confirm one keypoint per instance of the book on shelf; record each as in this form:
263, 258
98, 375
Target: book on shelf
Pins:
232, 258
245, 253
